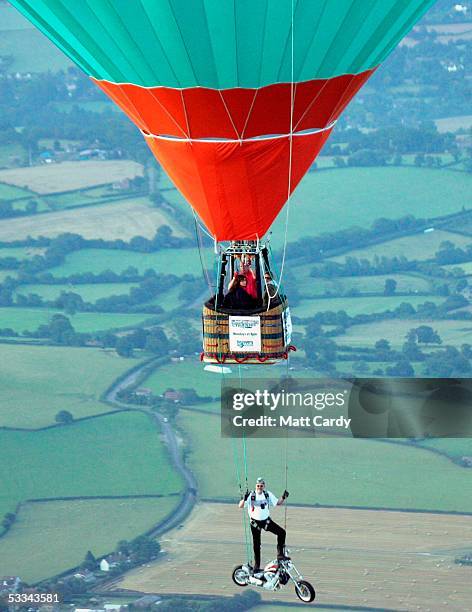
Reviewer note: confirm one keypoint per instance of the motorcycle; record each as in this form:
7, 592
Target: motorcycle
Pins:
275, 574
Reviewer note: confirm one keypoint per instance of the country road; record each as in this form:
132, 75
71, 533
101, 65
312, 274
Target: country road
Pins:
189, 494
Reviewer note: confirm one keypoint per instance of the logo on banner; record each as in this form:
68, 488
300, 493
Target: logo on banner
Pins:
245, 334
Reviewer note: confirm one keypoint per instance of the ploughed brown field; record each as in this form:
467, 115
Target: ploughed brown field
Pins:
372, 558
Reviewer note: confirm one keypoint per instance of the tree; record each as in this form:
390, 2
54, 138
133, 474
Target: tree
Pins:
426, 335
90, 562
58, 327
157, 342
390, 286
64, 417
382, 345
124, 346
402, 368
8, 520
31, 207
339, 162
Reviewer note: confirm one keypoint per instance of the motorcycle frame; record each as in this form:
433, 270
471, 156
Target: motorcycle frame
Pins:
287, 566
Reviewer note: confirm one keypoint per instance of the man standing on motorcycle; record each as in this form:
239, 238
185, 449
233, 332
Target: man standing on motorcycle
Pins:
257, 503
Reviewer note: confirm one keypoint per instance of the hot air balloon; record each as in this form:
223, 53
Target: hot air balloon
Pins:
235, 98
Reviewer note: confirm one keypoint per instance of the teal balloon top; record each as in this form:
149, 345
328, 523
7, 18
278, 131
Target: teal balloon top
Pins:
223, 44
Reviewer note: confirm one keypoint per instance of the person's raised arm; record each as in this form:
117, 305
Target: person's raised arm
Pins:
243, 499
282, 498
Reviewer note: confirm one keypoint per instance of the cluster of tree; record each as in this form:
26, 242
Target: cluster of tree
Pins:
317, 247
187, 396
427, 80
9, 263
340, 320
32, 104
447, 363
322, 353
184, 340
353, 266
137, 300
64, 417
8, 209
33, 269
376, 147
153, 340
59, 331
449, 253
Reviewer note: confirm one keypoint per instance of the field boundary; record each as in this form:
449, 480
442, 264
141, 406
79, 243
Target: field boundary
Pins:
225, 500
85, 418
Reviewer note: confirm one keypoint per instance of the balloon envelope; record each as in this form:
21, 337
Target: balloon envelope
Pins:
219, 86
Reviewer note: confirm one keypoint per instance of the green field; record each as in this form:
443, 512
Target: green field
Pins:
6, 273
31, 50
310, 286
167, 261
38, 381
21, 319
116, 454
360, 195
88, 292
419, 246
465, 267
328, 471
10, 152
21, 252
10, 192
451, 332
50, 537
184, 374
358, 305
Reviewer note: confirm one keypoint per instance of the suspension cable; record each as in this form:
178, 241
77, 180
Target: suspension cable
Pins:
289, 186
205, 273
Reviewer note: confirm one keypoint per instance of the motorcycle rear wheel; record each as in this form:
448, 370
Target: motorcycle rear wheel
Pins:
240, 576
305, 591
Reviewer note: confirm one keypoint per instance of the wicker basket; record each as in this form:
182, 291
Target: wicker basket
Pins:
216, 348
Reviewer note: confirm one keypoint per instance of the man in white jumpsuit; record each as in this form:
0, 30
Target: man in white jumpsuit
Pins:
257, 503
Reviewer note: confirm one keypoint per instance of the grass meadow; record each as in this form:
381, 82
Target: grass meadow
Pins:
50, 537
31, 50
310, 286
181, 374
338, 471
419, 246
115, 454
167, 261
21, 252
358, 305
20, 319
36, 382
88, 292
10, 192
451, 332
361, 195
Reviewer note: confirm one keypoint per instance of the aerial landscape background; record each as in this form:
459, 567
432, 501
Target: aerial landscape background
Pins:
110, 441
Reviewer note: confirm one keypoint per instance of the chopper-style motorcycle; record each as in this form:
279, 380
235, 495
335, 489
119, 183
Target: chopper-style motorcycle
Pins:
275, 575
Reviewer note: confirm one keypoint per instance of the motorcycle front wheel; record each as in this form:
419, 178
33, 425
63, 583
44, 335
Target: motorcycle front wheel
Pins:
240, 576
305, 591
